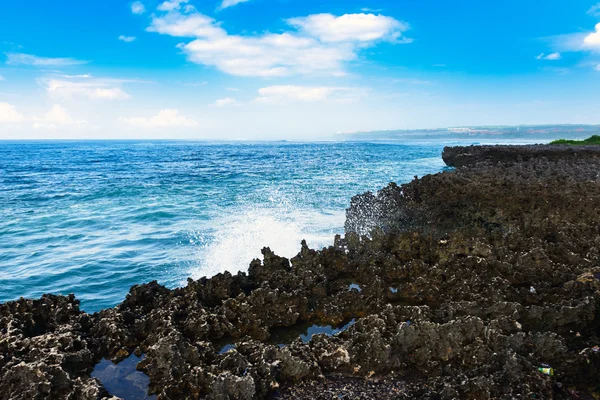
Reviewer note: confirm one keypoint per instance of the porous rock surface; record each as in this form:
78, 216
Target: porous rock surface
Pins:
471, 281
460, 156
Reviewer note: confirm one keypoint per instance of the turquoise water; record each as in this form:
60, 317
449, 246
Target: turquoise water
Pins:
94, 218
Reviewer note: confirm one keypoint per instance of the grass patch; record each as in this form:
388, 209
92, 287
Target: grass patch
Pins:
591, 140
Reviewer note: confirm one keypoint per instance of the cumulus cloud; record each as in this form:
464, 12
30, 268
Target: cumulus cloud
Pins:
592, 41
321, 43
580, 41
550, 57
286, 93
93, 89
127, 39
171, 5
186, 25
80, 76
350, 27
594, 10
9, 114
164, 119
30, 59
57, 117
138, 7
268, 55
227, 101
108, 94
231, 3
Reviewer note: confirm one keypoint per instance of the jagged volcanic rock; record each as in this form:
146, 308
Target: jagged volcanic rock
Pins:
472, 280
460, 156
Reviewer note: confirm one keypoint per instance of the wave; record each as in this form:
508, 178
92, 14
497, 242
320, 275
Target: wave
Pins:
237, 239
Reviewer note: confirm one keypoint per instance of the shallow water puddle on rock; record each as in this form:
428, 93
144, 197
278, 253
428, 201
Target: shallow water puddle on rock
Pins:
285, 336
328, 330
355, 286
123, 380
226, 348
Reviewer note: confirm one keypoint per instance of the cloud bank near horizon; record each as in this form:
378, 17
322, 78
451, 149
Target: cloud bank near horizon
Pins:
248, 69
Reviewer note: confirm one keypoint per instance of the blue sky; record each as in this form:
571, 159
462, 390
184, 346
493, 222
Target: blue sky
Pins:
288, 69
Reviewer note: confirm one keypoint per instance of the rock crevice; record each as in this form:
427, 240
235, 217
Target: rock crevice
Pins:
495, 271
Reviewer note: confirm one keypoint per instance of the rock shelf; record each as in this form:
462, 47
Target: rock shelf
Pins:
471, 281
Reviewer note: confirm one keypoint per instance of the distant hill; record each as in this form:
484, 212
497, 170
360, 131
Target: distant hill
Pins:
592, 140
491, 133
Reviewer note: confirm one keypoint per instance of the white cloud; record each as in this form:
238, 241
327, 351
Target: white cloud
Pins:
127, 39
285, 93
9, 114
56, 117
138, 7
592, 41
164, 118
323, 44
2, 78
350, 27
594, 10
108, 94
268, 55
93, 89
185, 25
29, 59
231, 3
597, 68
580, 41
171, 5
550, 57
227, 101
81, 76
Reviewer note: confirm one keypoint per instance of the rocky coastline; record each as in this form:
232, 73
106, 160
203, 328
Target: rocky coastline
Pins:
460, 156
480, 282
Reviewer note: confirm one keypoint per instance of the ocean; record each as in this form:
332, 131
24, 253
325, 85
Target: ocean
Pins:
96, 217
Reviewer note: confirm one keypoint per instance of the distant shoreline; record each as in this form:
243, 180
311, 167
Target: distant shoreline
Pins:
505, 132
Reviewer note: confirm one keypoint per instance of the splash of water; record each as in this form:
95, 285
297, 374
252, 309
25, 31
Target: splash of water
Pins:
238, 238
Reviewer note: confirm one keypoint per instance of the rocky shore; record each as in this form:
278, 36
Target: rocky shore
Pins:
479, 282
460, 156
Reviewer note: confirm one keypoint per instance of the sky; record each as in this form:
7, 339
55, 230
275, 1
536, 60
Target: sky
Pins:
291, 69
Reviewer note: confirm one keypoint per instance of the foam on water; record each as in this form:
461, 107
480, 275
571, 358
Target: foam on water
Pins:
95, 218
239, 237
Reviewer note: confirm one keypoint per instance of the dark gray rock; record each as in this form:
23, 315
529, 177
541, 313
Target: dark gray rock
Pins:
496, 271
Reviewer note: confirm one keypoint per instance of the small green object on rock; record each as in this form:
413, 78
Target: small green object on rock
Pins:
546, 371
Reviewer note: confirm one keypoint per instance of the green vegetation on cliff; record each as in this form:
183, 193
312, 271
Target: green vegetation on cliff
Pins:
591, 140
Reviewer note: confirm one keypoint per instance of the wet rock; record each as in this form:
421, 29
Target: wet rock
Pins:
230, 387
461, 250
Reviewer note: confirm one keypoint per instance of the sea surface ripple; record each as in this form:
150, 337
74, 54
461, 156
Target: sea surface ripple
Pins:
94, 218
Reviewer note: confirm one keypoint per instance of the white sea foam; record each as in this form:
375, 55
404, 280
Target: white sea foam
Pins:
237, 239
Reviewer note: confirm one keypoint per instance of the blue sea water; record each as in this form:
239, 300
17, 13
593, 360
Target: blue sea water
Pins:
94, 218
